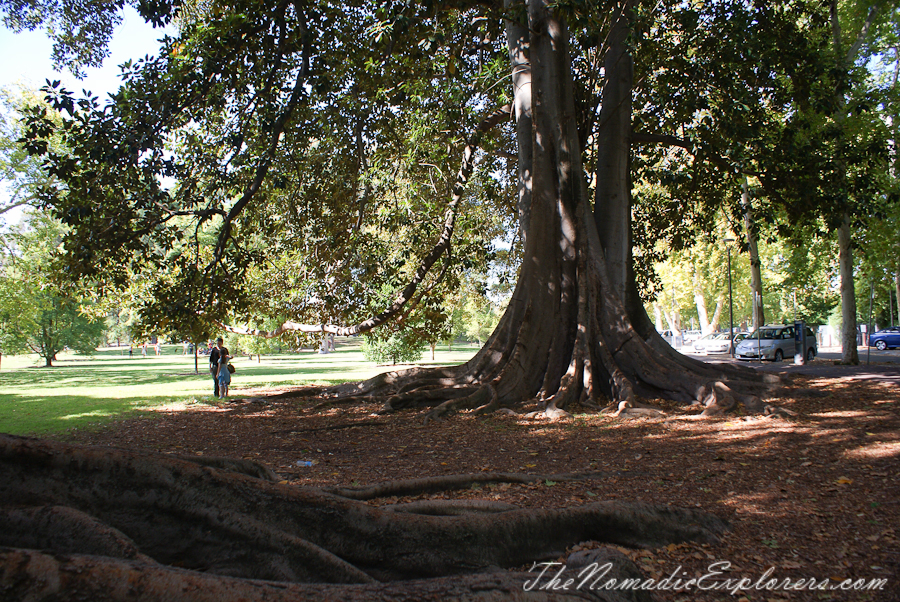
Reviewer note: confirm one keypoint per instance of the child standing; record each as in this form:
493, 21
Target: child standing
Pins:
224, 374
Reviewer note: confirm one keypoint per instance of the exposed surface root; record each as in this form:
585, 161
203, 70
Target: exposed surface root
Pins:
483, 400
421, 397
451, 507
240, 466
64, 530
717, 399
551, 413
34, 575
407, 487
632, 409
332, 427
181, 513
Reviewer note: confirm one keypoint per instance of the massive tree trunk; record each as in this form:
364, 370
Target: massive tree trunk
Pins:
566, 336
121, 525
613, 188
518, 39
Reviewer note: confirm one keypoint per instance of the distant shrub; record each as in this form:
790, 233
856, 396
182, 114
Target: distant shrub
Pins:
398, 347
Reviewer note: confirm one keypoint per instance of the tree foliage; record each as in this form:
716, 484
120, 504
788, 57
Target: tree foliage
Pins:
300, 189
38, 315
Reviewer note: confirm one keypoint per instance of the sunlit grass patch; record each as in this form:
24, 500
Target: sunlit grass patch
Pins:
84, 391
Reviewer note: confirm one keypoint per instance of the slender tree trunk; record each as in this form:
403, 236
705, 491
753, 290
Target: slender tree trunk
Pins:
717, 313
673, 321
657, 313
849, 352
756, 290
897, 293
707, 325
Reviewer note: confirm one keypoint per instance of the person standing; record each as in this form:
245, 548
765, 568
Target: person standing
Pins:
224, 375
214, 355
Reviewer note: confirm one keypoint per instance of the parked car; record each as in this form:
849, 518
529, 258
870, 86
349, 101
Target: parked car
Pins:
716, 342
885, 339
671, 337
740, 336
691, 335
774, 343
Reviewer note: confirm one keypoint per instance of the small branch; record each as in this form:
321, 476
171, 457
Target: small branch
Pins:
12, 206
266, 160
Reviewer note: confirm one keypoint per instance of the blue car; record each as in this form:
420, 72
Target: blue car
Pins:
885, 339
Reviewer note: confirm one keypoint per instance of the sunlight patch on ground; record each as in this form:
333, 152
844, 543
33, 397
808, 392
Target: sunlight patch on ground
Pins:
95, 413
188, 405
751, 503
875, 450
262, 414
844, 414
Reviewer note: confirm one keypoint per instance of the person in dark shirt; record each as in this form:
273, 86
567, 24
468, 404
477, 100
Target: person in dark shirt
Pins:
214, 356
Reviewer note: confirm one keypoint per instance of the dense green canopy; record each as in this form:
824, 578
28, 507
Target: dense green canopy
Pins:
296, 162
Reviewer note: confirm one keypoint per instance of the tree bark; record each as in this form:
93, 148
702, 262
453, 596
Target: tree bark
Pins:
612, 198
657, 313
758, 316
110, 516
707, 325
849, 351
897, 293
518, 39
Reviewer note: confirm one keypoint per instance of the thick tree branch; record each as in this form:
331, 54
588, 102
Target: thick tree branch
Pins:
443, 243
861, 37
266, 160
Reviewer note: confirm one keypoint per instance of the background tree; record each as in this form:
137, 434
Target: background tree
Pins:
21, 175
37, 315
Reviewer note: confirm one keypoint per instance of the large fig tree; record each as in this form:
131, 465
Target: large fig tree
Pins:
281, 143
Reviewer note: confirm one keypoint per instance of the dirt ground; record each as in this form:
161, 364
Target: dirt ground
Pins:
810, 497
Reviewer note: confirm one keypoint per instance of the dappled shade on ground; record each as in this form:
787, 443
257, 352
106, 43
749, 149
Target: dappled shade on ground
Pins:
811, 496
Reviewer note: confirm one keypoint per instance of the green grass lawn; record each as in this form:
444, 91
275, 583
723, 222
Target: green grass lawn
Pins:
81, 391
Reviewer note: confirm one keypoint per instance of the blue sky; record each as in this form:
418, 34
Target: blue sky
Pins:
26, 62
26, 56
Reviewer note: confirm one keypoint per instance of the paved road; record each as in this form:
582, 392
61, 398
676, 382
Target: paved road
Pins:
882, 366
